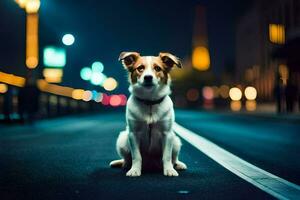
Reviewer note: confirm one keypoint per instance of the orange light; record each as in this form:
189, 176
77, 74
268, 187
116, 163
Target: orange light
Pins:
12, 79
110, 84
200, 58
32, 6
53, 75
277, 33
32, 41
235, 105
77, 94
3, 88
250, 105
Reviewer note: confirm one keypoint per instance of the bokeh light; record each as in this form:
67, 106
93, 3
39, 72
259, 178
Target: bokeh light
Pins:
201, 58
250, 105
250, 93
224, 91
3, 88
192, 94
235, 105
98, 78
86, 73
77, 94
115, 100
68, 39
97, 67
208, 93
87, 95
110, 84
123, 99
235, 94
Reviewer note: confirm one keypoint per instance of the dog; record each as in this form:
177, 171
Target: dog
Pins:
149, 138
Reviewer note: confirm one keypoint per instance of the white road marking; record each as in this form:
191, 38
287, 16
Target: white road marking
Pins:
270, 183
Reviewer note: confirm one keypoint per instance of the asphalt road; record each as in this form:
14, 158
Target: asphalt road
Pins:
67, 158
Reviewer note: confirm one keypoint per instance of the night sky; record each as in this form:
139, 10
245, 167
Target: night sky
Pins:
103, 29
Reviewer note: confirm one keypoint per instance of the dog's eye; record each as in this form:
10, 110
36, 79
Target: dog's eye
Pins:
157, 68
141, 68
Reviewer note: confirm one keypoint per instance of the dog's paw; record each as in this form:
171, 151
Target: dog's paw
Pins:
170, 172
134, 172
180, 165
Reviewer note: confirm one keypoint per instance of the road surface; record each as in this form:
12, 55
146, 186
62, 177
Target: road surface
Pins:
67, 158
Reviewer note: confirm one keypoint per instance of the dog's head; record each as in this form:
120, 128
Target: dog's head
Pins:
149, 71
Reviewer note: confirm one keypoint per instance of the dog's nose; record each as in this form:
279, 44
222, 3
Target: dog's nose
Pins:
148, 79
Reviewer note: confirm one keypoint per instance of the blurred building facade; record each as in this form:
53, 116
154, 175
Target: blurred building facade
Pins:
263, 37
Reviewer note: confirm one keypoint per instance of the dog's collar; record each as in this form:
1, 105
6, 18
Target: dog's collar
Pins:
150, 102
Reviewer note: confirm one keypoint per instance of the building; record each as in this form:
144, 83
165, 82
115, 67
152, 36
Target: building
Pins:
263, 39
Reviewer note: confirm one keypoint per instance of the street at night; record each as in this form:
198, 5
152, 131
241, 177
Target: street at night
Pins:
68, 158
172, 99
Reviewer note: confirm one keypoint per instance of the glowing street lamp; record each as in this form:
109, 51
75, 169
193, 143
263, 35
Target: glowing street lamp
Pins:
32, 49
68, 39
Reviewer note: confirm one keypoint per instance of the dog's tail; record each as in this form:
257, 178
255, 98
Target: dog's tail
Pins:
117, 163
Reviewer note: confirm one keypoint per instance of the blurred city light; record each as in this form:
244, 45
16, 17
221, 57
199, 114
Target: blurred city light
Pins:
208, 93
105, 99
86, 73
21, 3
200, 58
277, 33
216, 91
77, 94
250, 105
99, 97
115, 100
12, 79
3, 88
110, 84
32, 6
250, 93
224, 91
87, 95
123, 99
98, 78
97, 67
68, 39
235, 105
54, 56
53, 75
192, 94
32, 49
284, 73
235, 94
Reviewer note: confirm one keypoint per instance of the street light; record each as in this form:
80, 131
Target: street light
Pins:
31, 8
68, 39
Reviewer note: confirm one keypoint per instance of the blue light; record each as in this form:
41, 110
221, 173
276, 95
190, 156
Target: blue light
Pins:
97, 78
97, 67
68, 39
86, 73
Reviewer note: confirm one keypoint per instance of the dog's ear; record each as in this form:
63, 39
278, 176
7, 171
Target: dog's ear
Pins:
128, 59
170, 60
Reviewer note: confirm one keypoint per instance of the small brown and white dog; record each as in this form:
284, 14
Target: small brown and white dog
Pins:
149, 136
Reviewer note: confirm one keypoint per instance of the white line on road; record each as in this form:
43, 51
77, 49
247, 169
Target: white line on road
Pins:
270, 183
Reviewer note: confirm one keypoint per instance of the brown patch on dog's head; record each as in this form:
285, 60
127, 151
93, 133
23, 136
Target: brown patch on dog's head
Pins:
129, 59
141, 66
170, 60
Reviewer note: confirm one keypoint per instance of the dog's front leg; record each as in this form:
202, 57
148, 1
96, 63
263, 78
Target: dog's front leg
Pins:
167, 154
136, 167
